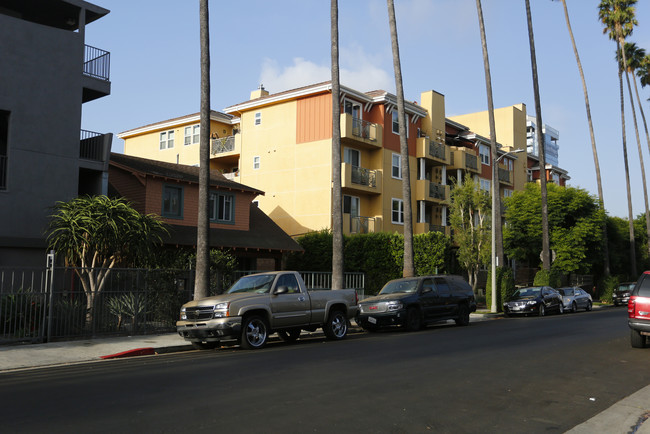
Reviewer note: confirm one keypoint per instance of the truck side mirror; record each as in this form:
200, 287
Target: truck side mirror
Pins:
281, 290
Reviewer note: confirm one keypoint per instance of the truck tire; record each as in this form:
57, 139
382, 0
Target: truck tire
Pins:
255, 332
336, 326
637, 339
290, 335
205, 345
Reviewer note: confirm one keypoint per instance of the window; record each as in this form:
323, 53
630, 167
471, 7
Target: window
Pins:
396, 123
289, 280
484, 154
222, 208
192, 134
167, 139
172, 205
397, 214
352, 156
485, 185
352, 108
4, 140
258, 118
507, 192
256, 163
443, 287
397, 166
351, 205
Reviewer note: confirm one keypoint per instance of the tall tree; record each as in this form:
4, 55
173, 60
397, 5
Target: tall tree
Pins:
202, 280
97, 233
617, 17
409, 269
337, 200
497, 239
546, 254
594, 151
634, 56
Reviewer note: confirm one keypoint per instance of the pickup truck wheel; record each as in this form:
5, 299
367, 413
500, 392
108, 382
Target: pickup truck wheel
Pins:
413, 319
254, 333
637, 339
204, 345
463, 315
289, 335
336, 326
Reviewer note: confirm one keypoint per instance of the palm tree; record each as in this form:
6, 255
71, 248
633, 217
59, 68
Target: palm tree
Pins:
202, 280
618, 19
634, 56
592, 136
409, 268
497, 239
337, 214
546, 256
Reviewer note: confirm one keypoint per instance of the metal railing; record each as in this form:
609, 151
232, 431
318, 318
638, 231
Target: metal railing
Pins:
471, 161
504, 175
221, 145
437, 228
323, 280
97, 63
364, 129
362, 224
437, 191
3, 172
362, 176
437, 150
91, 146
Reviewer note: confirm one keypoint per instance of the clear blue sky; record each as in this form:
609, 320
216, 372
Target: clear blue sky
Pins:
154, 47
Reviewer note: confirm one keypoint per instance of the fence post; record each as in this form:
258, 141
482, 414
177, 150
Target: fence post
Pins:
49, 287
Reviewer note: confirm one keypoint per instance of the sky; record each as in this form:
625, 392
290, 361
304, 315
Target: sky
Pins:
155, 69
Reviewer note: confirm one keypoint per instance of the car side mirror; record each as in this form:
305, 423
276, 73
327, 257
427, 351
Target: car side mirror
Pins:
425, 290
281, 290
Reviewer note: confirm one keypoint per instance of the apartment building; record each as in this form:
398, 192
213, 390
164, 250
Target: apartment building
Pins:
48, 73
282, 143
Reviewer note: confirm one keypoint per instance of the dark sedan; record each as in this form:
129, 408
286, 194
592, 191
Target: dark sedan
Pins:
536, 300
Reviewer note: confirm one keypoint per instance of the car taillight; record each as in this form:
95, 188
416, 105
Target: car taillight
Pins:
356, 297
631, 306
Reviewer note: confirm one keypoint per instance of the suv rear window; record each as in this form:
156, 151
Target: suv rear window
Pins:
642, 287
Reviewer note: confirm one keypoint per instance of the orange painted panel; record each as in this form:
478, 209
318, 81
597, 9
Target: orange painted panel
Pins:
314, 118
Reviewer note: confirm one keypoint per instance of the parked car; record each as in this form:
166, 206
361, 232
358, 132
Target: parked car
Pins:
259, 305
621, 294
638, 311
537, 300
575, 298
416, 301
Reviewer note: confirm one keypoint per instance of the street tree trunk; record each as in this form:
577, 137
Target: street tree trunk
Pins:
409, 268
337, 200
202, 280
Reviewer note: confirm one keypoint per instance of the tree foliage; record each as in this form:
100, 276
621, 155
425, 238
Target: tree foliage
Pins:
575, 222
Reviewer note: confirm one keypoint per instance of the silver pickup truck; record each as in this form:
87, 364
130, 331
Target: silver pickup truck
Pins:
259, 305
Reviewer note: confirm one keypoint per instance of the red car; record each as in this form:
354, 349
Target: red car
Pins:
638, 310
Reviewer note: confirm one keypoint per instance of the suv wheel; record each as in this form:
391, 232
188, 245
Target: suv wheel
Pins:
413, 320
637, 339
463, 315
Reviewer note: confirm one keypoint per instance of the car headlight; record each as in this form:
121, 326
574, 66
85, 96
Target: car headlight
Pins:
393, 306
531, 302
221, 310
183, 314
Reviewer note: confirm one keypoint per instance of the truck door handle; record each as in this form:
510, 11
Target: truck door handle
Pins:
301, 298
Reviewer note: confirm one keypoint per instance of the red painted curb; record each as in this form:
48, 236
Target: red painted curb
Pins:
129, 353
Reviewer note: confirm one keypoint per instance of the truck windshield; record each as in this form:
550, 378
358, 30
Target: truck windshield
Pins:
260, 283
400, 286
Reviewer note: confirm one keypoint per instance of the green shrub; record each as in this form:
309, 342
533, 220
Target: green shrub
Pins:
551, 278
610, 284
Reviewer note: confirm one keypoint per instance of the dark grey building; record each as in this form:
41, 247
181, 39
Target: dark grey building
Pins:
46, 73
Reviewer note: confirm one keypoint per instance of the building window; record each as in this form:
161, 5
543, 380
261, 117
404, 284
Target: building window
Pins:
258, 118
351, 205
192, 134
484, 154
352, 108
167, 139
397, 214
222, 208
396, 166
485, 185
256, 163
172, 205
396, 123
4, 141
507, 192
352, 157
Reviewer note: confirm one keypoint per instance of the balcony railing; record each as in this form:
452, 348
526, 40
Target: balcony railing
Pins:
364, 129
362, 225
3, 172
437, 191
362, 176
97, 63
222, 145
471, 161
91, 146
437, 150
504, 175
437, 228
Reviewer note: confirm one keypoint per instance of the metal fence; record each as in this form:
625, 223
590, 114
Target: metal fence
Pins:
51, 303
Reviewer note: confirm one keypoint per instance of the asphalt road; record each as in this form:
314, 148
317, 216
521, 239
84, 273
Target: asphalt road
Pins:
507, 375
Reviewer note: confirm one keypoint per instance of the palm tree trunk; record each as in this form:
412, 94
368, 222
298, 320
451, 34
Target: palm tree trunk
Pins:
546, 256
497, 239
645, 126
630, 215
202, 280
409, 269
337, 212
594, 151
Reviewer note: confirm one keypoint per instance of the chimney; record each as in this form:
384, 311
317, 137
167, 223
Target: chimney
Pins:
259, 92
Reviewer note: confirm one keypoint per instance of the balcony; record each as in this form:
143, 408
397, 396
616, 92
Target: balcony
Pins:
96, 73
431, 191
94, 146
505, 176
438, 152
3, 172
222, 145
360, 224
464, 159
360, 132
424, 227
226, 151
360, 179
